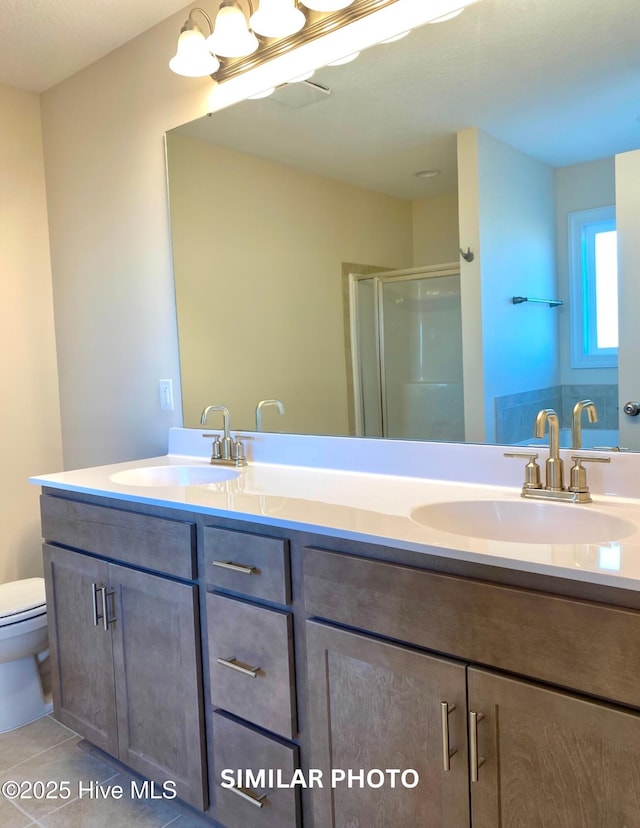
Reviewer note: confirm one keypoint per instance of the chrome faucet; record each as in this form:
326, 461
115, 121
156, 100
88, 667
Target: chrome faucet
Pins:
225, 452
554, 465
578, 491
576, 420
263, 404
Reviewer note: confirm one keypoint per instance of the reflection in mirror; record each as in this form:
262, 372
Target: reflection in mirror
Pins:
297, 217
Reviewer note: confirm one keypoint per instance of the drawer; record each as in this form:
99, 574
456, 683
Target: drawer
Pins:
239, 748
261, 639
249, 564
155, 543
590, 647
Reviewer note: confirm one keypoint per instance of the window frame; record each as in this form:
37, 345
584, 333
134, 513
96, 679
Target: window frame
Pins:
583, 226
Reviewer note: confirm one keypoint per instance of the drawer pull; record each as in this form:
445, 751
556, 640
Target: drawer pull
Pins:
447, 753
234, 664
254, 799
476, 761
236, 567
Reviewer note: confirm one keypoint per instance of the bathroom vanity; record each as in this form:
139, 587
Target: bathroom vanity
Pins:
272, 621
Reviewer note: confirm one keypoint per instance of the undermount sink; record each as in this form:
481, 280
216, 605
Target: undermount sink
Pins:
173, 476
523, 521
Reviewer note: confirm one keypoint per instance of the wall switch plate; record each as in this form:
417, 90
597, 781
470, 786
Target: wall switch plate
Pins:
165, 387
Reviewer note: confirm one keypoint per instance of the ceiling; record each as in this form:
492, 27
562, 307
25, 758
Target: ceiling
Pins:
42, 42
557, 79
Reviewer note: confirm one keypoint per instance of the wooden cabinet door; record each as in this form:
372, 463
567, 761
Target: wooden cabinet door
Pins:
154, 623
80, 649
551, 759
375, 705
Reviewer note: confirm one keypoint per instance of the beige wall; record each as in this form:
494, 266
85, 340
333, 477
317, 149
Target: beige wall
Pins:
30, 417
435, 230
110, 249
258, 251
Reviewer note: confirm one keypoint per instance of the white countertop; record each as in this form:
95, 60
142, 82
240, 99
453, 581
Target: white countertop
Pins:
375, 507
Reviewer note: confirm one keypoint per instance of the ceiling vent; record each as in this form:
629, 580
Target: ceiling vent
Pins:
299, 95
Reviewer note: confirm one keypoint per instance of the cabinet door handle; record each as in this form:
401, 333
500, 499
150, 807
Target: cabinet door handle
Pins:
236, 567
97, 617
475, 759
447, 753
248, 796
234, 664
105, 609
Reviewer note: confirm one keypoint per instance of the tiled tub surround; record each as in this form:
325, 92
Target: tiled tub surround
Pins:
366, 489
516, 413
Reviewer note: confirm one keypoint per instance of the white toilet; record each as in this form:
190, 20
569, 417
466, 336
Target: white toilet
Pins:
23, 636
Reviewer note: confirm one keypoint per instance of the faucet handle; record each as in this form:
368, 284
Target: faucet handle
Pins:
531, 470
216, 448
238, 453
578, 480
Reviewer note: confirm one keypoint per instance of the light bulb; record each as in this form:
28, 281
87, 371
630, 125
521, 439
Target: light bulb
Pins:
264, 94
231, 36
300, 78
193, 58
396, 37
277, 18
449, 16
346, 59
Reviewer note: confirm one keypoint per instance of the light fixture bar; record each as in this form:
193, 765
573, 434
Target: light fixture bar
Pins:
318, 25
239, 51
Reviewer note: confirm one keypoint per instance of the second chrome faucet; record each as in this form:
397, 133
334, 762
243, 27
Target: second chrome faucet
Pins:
264, 404
576, 420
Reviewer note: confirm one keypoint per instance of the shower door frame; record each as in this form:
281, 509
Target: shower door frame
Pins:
379, 280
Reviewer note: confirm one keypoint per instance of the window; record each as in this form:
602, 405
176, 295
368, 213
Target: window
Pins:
593, 276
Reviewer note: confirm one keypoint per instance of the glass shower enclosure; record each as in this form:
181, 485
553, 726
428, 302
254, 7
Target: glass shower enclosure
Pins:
406, 345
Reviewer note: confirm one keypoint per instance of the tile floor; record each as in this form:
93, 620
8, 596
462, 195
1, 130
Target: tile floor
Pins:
47, 751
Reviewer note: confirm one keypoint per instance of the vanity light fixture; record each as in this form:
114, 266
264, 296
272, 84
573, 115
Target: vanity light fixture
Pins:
249, 33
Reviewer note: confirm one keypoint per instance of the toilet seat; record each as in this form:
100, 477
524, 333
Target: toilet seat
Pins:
21, 600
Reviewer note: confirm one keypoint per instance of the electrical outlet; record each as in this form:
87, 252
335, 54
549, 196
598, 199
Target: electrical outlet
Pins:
165, 387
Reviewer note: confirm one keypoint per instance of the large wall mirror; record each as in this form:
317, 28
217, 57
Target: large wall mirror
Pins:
316, 232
